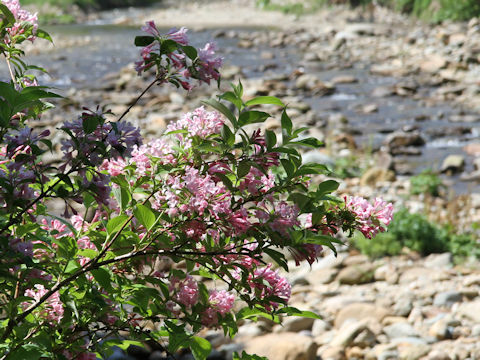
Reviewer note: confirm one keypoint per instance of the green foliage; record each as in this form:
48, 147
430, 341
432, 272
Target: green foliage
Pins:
427, 182
92, 4
417, 233
347, 167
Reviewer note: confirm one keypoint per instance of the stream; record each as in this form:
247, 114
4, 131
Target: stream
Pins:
101, 48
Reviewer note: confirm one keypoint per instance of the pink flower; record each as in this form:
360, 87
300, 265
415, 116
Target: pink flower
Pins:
87, 356
221, 302
184, 291
209, 64
277, 285
51, 310
370, 219
179, 36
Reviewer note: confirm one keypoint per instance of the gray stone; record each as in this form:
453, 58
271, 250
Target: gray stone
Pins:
470, 310
402, 139
319, 327
296, 324
447, 298
356, 274
400, 330
444, 260
453, 164
347, 333
413, 352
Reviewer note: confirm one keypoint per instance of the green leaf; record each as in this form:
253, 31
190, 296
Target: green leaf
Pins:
291, 311
228, 136
42, 34
90, 124
238, 90
116, 223
8, 14
230, 96
124, 344
122, 196
278, 257
168, 46
200, 347
326, 187
247, 313
311, 168
286, 127
246, 356
264, 100
102, 276
190, 51
145, 216
243, 169
222, 109
288, 166
310, 142
252, 117
144, 40
300, 199
271, 139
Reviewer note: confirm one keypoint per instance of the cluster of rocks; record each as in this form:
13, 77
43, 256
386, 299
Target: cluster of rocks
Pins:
405, 307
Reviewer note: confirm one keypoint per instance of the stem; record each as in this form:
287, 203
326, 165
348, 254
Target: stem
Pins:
7, 58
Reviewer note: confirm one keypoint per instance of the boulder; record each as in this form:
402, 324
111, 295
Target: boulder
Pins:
283, 346
360, 311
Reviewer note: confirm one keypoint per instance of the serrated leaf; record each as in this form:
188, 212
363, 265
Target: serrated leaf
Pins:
265, 100
145, 216
200, 347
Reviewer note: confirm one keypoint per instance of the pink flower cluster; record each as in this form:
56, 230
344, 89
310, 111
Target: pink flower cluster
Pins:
220, 302
176, 66
184, 291
52, 309
199, 123
370, 219
23, 18
268, 282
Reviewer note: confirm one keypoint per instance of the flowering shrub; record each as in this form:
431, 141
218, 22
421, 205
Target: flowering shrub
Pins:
205, 201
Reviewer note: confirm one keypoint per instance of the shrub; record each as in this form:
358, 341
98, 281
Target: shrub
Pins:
427, 182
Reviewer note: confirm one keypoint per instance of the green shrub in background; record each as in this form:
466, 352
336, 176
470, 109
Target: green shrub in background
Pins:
417, 233
92, 4
427, 182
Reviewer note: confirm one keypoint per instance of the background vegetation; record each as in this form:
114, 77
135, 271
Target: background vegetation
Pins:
91, 4
429, 10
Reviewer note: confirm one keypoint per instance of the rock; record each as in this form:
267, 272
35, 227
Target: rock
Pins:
420, 275
464, 118
344, 79
383, 91
347, 333
444, 261
441, 329
356, 274
296, 324
323, 276
333, 353
311, 83
376, 174
369, 108
382, 352
319, 327
403, 306
438, 355
360, 311
453, 164
413, 352
283, 346
387, 273
402, 139
433, 64
470, 310
400, 330
319, 157
447, 298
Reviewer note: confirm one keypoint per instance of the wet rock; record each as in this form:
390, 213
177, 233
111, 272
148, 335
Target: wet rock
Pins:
344, 79
375, 175
356, 274
311, 83
403, 139
283, 346
369, 108
453, 164
383, 91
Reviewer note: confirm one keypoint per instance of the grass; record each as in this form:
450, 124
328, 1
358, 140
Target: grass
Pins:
429, 10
